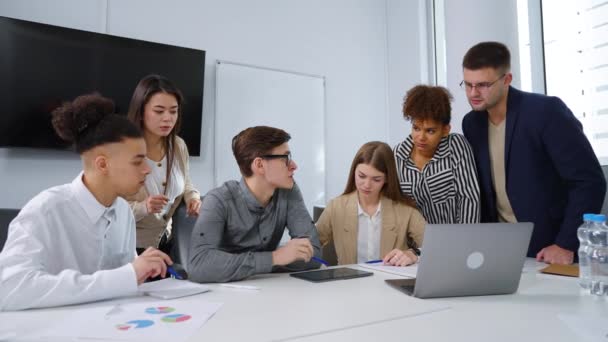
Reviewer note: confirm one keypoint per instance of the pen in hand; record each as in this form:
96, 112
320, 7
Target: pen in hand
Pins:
173, 273
319, 260
375, 261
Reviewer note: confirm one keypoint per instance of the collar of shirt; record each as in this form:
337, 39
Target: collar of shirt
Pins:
443, 149
360, 210
89, 203
252, 203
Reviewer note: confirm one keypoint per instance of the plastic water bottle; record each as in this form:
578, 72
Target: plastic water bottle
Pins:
598, 238
584, 251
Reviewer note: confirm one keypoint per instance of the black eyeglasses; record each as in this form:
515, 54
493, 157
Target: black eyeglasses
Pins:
287, 157
481, 86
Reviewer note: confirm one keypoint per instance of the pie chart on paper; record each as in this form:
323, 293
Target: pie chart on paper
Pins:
136, 324
175, 318
160, 310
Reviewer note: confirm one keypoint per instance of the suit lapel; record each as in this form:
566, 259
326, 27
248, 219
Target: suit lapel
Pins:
484, 153
388, 234
512, 115
351, 228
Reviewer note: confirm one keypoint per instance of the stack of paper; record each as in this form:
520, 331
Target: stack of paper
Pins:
171, 288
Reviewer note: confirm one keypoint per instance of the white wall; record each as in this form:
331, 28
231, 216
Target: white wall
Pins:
370, 52
468, 22
343, 40
407, 59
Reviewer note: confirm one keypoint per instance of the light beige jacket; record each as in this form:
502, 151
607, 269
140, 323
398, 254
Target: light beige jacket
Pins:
150, 227
402, 227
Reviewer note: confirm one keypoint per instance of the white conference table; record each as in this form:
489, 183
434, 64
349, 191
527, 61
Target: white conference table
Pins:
367, 309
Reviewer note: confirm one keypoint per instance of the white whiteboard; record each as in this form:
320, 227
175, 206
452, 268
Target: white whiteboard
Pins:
255, 96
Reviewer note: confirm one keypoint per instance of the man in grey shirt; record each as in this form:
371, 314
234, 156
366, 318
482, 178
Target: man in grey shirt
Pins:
242, 222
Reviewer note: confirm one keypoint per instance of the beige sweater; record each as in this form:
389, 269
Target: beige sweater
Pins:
149, 226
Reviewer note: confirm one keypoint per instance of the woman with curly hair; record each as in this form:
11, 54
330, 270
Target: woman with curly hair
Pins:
436, 167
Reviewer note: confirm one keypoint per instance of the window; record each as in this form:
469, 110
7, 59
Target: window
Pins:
575, 41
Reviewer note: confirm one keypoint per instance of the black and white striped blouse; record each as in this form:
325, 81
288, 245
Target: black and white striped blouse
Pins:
446, 190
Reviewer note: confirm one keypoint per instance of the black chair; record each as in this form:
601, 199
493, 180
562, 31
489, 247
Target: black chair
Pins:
6, 216
181, 234
328, 252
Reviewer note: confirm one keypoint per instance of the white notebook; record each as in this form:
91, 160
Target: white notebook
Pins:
172, 288
405, 271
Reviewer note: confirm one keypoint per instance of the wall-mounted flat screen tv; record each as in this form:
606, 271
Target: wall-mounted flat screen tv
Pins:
42, 66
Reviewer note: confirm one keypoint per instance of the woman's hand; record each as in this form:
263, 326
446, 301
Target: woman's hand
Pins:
194, 206
397, 257
156, 203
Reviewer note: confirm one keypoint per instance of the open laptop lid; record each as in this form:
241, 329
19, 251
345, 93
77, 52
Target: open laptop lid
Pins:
472, 259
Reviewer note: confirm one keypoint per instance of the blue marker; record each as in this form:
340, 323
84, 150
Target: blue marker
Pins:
374, 261
321, 261
173, 273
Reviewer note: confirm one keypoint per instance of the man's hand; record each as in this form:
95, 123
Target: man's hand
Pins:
554, 254
151, 263
397, 257
295, 249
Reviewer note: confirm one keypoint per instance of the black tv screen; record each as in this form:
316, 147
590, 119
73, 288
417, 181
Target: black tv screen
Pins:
42, 66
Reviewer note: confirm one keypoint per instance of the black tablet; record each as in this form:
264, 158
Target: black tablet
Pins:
331, 274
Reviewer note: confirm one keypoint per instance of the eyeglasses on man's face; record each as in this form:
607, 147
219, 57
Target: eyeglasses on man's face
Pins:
481, 86
286, 156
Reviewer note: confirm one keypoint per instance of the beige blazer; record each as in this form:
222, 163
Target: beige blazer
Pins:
150, 227
402, 227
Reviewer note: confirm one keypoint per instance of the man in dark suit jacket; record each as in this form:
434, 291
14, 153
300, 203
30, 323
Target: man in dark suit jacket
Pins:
533, 160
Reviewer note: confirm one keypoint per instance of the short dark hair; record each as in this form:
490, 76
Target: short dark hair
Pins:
488, 55
255, 142
426, 102
90, 121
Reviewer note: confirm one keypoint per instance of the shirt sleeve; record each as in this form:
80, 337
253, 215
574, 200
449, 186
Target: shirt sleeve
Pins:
467, 186
26, 283
299, 224
415, 229
579, 168
208, 262
190, 191
324, 226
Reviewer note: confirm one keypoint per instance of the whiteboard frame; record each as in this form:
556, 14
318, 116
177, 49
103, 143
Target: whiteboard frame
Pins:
324, 133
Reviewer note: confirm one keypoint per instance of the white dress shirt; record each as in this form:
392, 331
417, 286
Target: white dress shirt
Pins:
368, 240
65, 247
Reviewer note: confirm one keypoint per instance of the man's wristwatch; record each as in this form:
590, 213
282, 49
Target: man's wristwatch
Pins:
416, 251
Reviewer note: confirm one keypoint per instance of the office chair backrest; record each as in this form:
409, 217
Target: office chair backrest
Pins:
328, 252
182, 233
6, 216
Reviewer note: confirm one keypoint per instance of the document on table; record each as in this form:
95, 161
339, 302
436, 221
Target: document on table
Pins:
170, 288
175, 320
532, 266
405, 271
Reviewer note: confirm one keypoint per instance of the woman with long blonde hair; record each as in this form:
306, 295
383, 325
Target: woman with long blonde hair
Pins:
372, 220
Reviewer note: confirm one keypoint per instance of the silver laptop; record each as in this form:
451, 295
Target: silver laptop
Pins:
469, 260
